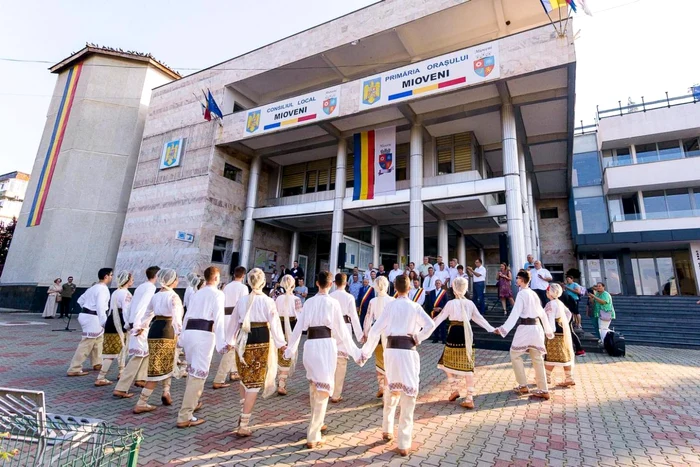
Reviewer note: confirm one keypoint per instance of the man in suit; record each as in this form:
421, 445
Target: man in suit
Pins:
366, 294
297, 272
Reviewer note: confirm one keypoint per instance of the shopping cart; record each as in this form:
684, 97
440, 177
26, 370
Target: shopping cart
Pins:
31, 437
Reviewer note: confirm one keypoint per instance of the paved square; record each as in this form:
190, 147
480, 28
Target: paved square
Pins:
640, 410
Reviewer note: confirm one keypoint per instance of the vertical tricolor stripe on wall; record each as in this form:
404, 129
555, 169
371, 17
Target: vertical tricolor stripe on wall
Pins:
363, 187
59, 129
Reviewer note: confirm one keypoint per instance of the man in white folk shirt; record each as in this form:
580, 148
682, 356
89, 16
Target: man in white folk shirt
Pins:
323, 321
429, 281
442, 273
368, 272
436, 266
478, 274
528, 314
92, 318
137, 367
203, 332
393, 274
233, 291
540, 279
452, 270
352, 321
405, 325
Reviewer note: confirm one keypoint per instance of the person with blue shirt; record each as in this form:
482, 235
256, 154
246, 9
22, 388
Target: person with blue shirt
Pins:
530, 263
573, 290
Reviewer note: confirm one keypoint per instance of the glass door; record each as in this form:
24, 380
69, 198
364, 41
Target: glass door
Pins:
612, 276
655, 275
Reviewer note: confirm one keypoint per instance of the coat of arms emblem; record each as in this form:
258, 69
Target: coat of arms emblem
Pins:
371, 91
385, 162
171, 153
484, 66
253, 122
329, 105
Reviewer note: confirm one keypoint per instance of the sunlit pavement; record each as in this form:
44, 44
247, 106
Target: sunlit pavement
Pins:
643, 409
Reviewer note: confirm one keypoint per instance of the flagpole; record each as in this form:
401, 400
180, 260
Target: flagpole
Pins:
566, 24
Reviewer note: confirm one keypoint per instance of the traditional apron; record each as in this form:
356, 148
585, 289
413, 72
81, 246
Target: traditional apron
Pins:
161, 348
253, 368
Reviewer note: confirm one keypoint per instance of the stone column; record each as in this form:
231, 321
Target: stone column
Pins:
462, 250
443, 248
514, 205
375, 244
416, 204
248, 222
401, 252
534, 239
523, 194
294, 250
337, 228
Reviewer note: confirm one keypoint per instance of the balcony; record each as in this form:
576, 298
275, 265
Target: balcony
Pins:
664, 221
662, 171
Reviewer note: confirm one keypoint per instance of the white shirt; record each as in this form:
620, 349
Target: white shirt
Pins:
189, 291
368, 274
96, 298
121, 298
527, 305
207, 304
139, 302
165, 303
375, 310
393, 274
262, 310
412, 294
453, 274
429, 283
480, 270
347, 308
535, 281
443, 275
233, 292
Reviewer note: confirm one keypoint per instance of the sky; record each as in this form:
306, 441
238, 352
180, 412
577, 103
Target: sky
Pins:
628, 48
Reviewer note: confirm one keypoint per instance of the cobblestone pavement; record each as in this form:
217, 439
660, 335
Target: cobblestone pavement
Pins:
640, 410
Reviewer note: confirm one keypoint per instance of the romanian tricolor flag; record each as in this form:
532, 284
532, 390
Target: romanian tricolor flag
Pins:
59, 129
550, 5
364, 165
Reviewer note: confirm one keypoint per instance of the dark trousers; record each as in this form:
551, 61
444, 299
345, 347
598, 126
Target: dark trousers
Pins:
543, 296
65, 306
479, 299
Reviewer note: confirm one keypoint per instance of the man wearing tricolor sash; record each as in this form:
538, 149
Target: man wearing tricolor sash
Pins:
417, 294
366, 294
439, 303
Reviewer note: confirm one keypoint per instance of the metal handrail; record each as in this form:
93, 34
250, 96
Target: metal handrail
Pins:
668, 102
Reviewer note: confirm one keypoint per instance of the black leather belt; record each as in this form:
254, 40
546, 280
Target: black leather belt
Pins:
346, 318
88, 312
528, 321
163, 318
200, 325
318, 332
400, 342
228, 310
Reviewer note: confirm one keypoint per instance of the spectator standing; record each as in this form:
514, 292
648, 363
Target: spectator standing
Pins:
382, 272
355, 285
529, 264
423, 268
368, 272
603, 311
479, 278
572, 305
540, 281
53, 300
573, 291
297, 272
505, 289
67, 291
301, 290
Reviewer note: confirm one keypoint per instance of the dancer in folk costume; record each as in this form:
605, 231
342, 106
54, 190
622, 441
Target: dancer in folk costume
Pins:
255, 333
560, 350
457, 360
137, 346
374, 312
402, 325
192, 283
528, 314
203, 332
163, 322
233, 291
323, 321
288, 307
347, 307
114, 343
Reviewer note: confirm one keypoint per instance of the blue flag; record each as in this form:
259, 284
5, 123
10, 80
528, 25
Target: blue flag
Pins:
213, 108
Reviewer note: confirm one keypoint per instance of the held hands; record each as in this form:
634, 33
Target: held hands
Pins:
550, 336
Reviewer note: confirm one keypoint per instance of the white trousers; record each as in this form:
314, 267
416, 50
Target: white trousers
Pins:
537, 363
408, 405
340, 371
88, 347
136, 369
193, 391
226, 365
319, 403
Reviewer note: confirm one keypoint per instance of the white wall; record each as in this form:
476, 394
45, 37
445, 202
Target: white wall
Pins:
679, 173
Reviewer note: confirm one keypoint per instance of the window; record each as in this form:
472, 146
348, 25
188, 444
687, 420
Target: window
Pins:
454, 153
655, 205
557, 272
691, 147
630, 207
617, 157
238, 107
646, 153
549, 213
696, 199
669, 150
591, 215
402, 154
310, 177
667, 204
233, 173
220, 252
586, 169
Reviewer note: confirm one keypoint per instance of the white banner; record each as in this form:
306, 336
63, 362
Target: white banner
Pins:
444, 73
385, 161
312, 107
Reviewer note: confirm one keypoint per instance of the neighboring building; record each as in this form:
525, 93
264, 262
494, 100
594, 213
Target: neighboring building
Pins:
636, 198
484, 137
72, 220
13, 186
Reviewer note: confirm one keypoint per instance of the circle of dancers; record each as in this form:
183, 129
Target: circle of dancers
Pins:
259, 338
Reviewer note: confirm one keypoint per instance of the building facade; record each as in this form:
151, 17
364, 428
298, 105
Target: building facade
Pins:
13, 187
636, 199
479, 95
71, 222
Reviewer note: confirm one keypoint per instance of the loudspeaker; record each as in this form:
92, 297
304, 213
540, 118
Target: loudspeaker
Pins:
235, 259
503, 247
342, 253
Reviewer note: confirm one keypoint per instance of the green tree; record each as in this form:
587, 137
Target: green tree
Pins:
6, 233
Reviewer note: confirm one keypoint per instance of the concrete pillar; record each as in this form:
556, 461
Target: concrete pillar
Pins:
416, 206
462, 250
337, 228
533, 219
375, 244
248, 222
514, 205
294, 250
523, 195
443, 249
401, 252
481, 255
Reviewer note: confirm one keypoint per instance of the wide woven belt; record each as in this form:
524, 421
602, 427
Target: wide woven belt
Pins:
528, 321
163, 318
346, 318
228, 310
318, 332
400, 342
88, 312
200, 325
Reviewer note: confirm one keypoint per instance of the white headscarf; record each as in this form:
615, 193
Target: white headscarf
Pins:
192, 280
459, 287
167, 277
123, 278
287, 282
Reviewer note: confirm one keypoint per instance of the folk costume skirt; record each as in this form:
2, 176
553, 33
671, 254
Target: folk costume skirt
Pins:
161, 349
253, 368
281, 361
454, 356
560, 351
112, 344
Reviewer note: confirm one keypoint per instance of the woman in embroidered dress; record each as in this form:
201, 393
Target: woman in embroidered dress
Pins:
52, 300
457, 360
288, 307
163, 319
374, 312
255, 333
114, 343
505, 289
560, 350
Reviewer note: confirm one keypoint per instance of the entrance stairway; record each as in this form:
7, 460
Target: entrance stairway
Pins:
660, 321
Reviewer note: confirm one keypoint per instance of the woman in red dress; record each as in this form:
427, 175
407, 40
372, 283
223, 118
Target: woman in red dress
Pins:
505, 288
